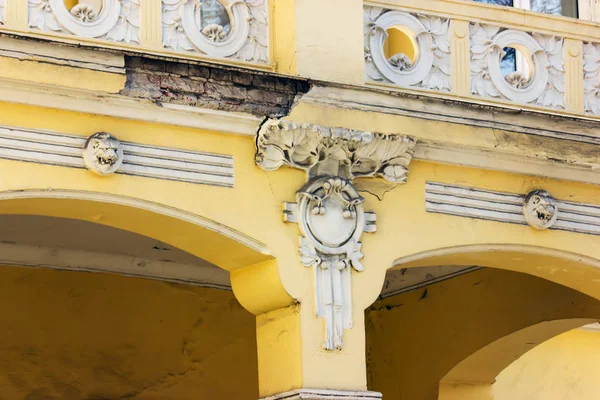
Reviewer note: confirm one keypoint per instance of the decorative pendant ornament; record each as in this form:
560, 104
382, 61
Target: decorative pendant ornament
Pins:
540, 209
103, 153
329, 210
331, 218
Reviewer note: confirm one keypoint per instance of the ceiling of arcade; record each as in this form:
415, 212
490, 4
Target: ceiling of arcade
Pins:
62, 243
74, 336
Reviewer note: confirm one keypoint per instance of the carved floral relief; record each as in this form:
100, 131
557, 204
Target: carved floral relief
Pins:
591, 76
543, 85
235, 29
430, 69
118, 20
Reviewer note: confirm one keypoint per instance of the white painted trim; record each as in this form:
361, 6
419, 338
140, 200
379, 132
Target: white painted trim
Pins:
114, 105
321, 394
506, 207
143, 205
138, 159
86, 261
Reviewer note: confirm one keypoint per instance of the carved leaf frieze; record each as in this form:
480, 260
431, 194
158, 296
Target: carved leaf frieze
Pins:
356, 153
430, 70
118, 20
544, 85
591, 74
246, 36
1, 12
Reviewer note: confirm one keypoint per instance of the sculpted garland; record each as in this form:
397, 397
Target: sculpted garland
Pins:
430, 69
118, 20
237, 29
329, 210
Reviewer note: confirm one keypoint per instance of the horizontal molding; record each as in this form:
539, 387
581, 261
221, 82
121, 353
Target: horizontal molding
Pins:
506, 207
140, 160
77, 57
519, 160
114, 105
86, 261
322, 394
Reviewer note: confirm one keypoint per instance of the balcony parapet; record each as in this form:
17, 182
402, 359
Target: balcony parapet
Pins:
239, 34
453, 49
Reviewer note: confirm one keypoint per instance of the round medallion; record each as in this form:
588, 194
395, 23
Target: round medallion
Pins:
331, 214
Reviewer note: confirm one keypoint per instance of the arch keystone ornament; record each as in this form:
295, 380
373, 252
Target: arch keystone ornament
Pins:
329, 210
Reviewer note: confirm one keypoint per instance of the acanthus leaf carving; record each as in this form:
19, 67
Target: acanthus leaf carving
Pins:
329, 210
431, 70
356, 153
118, 20
1, 12
591, 75
247, 39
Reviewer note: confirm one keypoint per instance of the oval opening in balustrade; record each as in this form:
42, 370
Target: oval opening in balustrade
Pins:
517, 66
212, 19
84, 10
400, 48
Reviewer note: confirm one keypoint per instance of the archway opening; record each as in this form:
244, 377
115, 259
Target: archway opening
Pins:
92, 311
428, 319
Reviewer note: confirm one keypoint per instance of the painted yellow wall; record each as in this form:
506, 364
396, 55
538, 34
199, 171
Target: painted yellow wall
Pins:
74, 336
563, 368
416, 338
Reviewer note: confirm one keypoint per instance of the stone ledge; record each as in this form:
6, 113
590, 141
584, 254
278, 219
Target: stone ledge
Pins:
322, 394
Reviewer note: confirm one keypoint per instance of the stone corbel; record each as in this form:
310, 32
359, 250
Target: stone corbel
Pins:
329, 210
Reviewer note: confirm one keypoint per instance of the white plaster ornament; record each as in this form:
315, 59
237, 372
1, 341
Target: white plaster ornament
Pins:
329, 210
103, 153
430, 69
545, 84
540, 209
239, 31
117, 20
2, 12
591, 73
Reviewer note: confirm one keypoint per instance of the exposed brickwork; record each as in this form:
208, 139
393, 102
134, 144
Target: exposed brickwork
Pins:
213, 87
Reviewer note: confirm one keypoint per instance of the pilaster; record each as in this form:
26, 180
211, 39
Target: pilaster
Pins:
460, 65
16, 14
573, 53
151, 26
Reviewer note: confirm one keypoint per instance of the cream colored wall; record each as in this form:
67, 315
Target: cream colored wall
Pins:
563, 368
75, 336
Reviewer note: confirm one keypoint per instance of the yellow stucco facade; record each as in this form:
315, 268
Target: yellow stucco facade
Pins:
289, 200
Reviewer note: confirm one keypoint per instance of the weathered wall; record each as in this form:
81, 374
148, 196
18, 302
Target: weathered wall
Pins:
565, 368
71, 336
416, 338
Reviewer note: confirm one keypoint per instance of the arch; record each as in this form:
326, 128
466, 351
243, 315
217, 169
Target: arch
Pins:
181, 229
572, 270
484, 365
247, 259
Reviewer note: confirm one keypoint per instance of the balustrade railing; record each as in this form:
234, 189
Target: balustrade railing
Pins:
533, 61
226, 29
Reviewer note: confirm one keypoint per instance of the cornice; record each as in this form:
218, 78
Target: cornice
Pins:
114, 105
